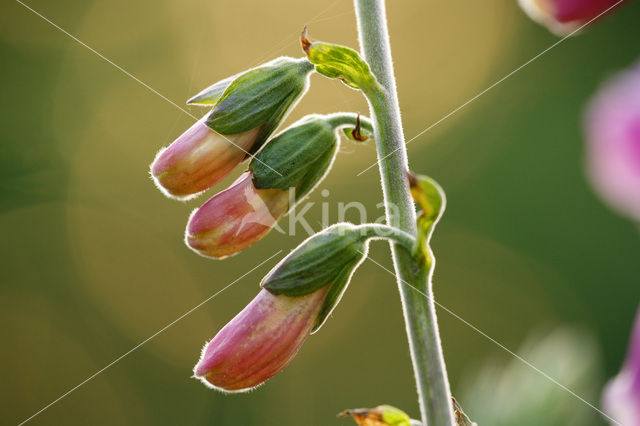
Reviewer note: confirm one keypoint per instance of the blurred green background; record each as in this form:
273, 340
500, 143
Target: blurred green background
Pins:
93, 261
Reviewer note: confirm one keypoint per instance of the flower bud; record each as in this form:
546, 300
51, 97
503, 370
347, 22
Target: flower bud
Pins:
621, 397
302, 155
259, 98
235, 218
198, 159
565, 16
297, 296
298, 158
328, 258
259, 342
247, 108
613, 142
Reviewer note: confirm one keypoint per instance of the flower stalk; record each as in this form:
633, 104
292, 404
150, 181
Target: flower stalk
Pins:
419, 311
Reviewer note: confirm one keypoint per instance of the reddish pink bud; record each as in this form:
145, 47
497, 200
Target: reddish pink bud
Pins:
260, 341
235, 218
565, 16
198, 159
613, 142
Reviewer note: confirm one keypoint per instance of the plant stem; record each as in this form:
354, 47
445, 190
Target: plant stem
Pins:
380, 231
419, 311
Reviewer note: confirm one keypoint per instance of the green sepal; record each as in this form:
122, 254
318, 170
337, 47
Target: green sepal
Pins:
341, 62
336, 291
321, 260
210, 96
298, 157
260, 97
430, 197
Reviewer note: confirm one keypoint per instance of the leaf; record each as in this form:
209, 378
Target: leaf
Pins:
430, 197
341, 62
382, 415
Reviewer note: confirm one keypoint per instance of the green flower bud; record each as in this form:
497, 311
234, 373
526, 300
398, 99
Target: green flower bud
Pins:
258, 98
327, 258
300, 156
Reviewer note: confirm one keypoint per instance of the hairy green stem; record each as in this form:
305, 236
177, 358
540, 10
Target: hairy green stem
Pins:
386, 232
343, 119
414, 281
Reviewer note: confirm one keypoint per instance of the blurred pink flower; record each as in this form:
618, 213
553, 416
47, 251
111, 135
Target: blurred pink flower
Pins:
235, 218
198, 159
260, 341
621, 398
565, 16
613, 142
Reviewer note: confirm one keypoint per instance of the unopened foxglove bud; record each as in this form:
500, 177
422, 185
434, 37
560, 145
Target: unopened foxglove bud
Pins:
198, 159
613, 142
621, 397
283, 172
235, 218
301, 156
247, 108
326, 259
297, 296
259, 342
565, 16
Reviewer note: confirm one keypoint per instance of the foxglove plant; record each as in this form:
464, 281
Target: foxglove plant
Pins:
299, 293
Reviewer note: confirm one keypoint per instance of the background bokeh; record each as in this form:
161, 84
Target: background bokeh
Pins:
92, 258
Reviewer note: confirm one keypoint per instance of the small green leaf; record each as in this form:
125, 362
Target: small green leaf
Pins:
382, 415
341, 62
430, 197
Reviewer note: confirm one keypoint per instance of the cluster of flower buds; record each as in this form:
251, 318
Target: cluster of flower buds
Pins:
296, 298
298, 295
288, 167
246, 110
566, 16
621, 397
613, 142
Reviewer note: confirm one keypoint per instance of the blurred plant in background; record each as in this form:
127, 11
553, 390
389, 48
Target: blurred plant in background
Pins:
506, 393
612, 126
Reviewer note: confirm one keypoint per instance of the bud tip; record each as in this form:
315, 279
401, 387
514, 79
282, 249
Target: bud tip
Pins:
355, 133
304, 41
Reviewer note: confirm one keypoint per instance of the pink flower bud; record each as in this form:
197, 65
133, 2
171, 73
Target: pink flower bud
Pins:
613, 142
235, 218
621, 397
259, 342
198, 159
565, 16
